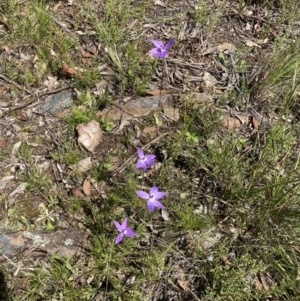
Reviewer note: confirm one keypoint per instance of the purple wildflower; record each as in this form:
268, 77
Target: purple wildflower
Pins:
124, 231
152, 198
161, 50
144, 160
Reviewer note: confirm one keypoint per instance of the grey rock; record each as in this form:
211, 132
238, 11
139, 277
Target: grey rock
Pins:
56, 102
61, 242
142, 107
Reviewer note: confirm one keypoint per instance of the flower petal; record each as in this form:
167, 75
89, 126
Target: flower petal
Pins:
154, 190
142, 194
163, 53
158, 44
150, 206
160, 194
119, 238
140, 153
118, 226
129, 232
150, 159
158, 204
169, 43
141, 164
155, 52
124, 224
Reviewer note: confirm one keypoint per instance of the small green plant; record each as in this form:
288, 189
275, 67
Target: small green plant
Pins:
46, 216
191, 137
106, 124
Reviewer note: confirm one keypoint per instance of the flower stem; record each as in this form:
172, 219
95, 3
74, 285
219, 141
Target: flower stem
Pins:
161, 84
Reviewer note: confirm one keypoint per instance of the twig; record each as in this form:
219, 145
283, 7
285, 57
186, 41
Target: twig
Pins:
15, 84
246, 16
121, 168
22, 106
185, 64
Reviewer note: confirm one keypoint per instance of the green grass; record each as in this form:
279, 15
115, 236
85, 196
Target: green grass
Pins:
235, 190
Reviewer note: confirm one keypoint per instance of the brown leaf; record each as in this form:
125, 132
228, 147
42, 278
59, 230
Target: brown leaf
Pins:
2, 142
61, 114
84, 53
86, 61
68, 71
226, 46
255, 123
57, 6
101, 187
224, 259
250, 43
158, 92
21, 116
86, 187
183, 284
151, 130
77, 192
233, 123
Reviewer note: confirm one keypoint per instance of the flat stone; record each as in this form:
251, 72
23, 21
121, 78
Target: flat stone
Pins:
61, 242
57, 102
142, 107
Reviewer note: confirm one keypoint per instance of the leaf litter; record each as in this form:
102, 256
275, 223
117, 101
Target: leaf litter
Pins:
195, 56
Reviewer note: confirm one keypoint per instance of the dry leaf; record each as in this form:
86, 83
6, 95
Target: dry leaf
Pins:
250, 43
77, 192
19, 190
83, 165
86, 187
183, 284
56, 7
5, 180
86, 61
15, 148
52, 55
61, 114
165, 215
101, 187
84, 53
160, 3
67, 71
255, 123
209, 80
158, 92
89, 135
51, 82
225, 260
150, 130
232, 123
21, 116
226, 46
132, 24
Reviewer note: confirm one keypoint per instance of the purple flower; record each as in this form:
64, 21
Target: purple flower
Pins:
144, 160
152, 198
124, 231
161, 50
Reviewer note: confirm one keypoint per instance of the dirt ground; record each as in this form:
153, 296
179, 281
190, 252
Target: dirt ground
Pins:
52, 187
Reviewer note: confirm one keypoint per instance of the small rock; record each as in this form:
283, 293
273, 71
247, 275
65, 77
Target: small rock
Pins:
57, 102
90, 135
141, 107
61, 242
